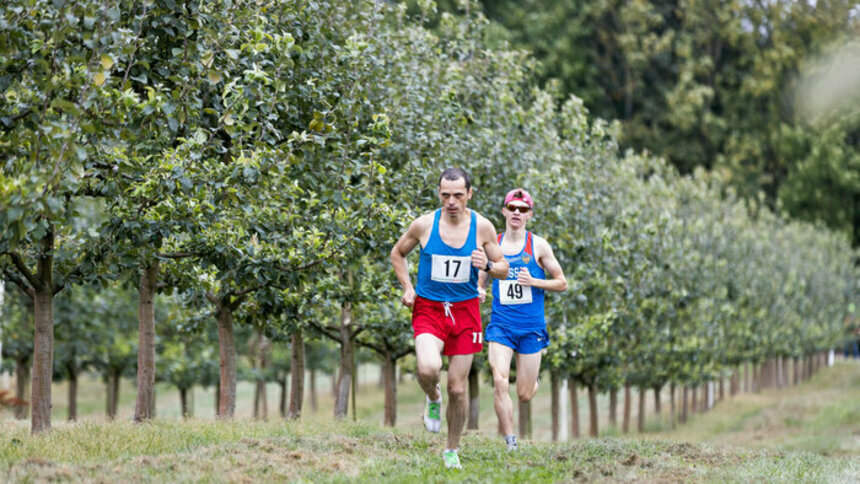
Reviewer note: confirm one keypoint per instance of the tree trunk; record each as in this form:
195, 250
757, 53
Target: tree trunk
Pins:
227, 353
282, 400
625, 420
22, 377
574, 409
796, 375
474, 397
753, 378
774, 372
613, 407
312, 380
261, 407
657, 401
780, 380
297, 374
708, 399
43, 342
694, 404
144, 408
672, 414
555, 393
344, 377
113, 393
73, 393
722, 388
261, 399
733, 382
685, 404
389, 378
354, 387
641, 417
746, 377
592, 410
183, 402
117, 378
524, 413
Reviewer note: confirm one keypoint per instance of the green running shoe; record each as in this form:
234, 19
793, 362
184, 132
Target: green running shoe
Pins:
452, 460
433, 413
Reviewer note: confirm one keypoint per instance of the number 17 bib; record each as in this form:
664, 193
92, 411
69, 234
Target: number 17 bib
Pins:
511, 293
450, 268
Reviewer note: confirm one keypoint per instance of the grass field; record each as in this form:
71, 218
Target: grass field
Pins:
806, 434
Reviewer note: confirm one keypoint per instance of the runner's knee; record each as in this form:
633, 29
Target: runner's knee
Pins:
456, 390
429, 371
501, 383
526, 395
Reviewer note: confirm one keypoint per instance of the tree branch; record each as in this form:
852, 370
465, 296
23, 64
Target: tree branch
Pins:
403, 353
20, 283
245, 292
14, 119
358, 331
24, 270
374, 347
325, 331
176, 255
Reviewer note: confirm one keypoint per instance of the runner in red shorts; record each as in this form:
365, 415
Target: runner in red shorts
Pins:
455, 243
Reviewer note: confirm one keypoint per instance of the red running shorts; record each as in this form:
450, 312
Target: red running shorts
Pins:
457, 324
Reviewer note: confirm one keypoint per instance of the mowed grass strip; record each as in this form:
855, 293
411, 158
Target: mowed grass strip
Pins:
247, 451
820, 416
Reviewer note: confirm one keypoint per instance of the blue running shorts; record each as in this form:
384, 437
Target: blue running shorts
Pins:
524, 342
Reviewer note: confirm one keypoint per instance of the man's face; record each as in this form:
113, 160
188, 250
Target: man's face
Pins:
454, 196
517, 213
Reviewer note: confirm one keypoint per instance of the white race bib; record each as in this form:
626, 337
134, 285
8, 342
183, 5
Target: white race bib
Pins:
511, 293
450, 268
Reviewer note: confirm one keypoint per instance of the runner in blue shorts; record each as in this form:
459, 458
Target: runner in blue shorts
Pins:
517, 323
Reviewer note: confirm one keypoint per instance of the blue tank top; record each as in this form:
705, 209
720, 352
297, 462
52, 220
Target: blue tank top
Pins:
514, 305
446, 273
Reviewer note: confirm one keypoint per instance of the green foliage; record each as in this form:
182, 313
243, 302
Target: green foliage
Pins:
702, 84
268, 155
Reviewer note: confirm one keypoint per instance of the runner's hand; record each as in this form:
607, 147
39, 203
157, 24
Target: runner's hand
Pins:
524, 278
408, 298
482, 294
479, 258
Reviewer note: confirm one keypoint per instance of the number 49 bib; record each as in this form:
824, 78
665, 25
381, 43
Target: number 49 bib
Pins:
511, 293
449, 268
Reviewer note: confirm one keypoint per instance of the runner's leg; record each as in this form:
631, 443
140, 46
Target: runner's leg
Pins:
528, 367
458, 403
428, 353
500, 362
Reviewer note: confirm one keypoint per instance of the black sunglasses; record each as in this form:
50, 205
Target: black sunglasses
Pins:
517, 208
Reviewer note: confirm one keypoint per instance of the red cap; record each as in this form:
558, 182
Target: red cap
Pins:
519, 195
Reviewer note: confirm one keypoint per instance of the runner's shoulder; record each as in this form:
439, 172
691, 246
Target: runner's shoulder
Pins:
484, 223
423, 223
541, 246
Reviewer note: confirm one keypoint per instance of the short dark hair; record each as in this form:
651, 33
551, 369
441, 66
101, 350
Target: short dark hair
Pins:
454, 174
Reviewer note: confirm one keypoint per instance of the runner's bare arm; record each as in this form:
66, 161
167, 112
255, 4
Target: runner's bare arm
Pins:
489, 245
555, 281
401, 249
483, 279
